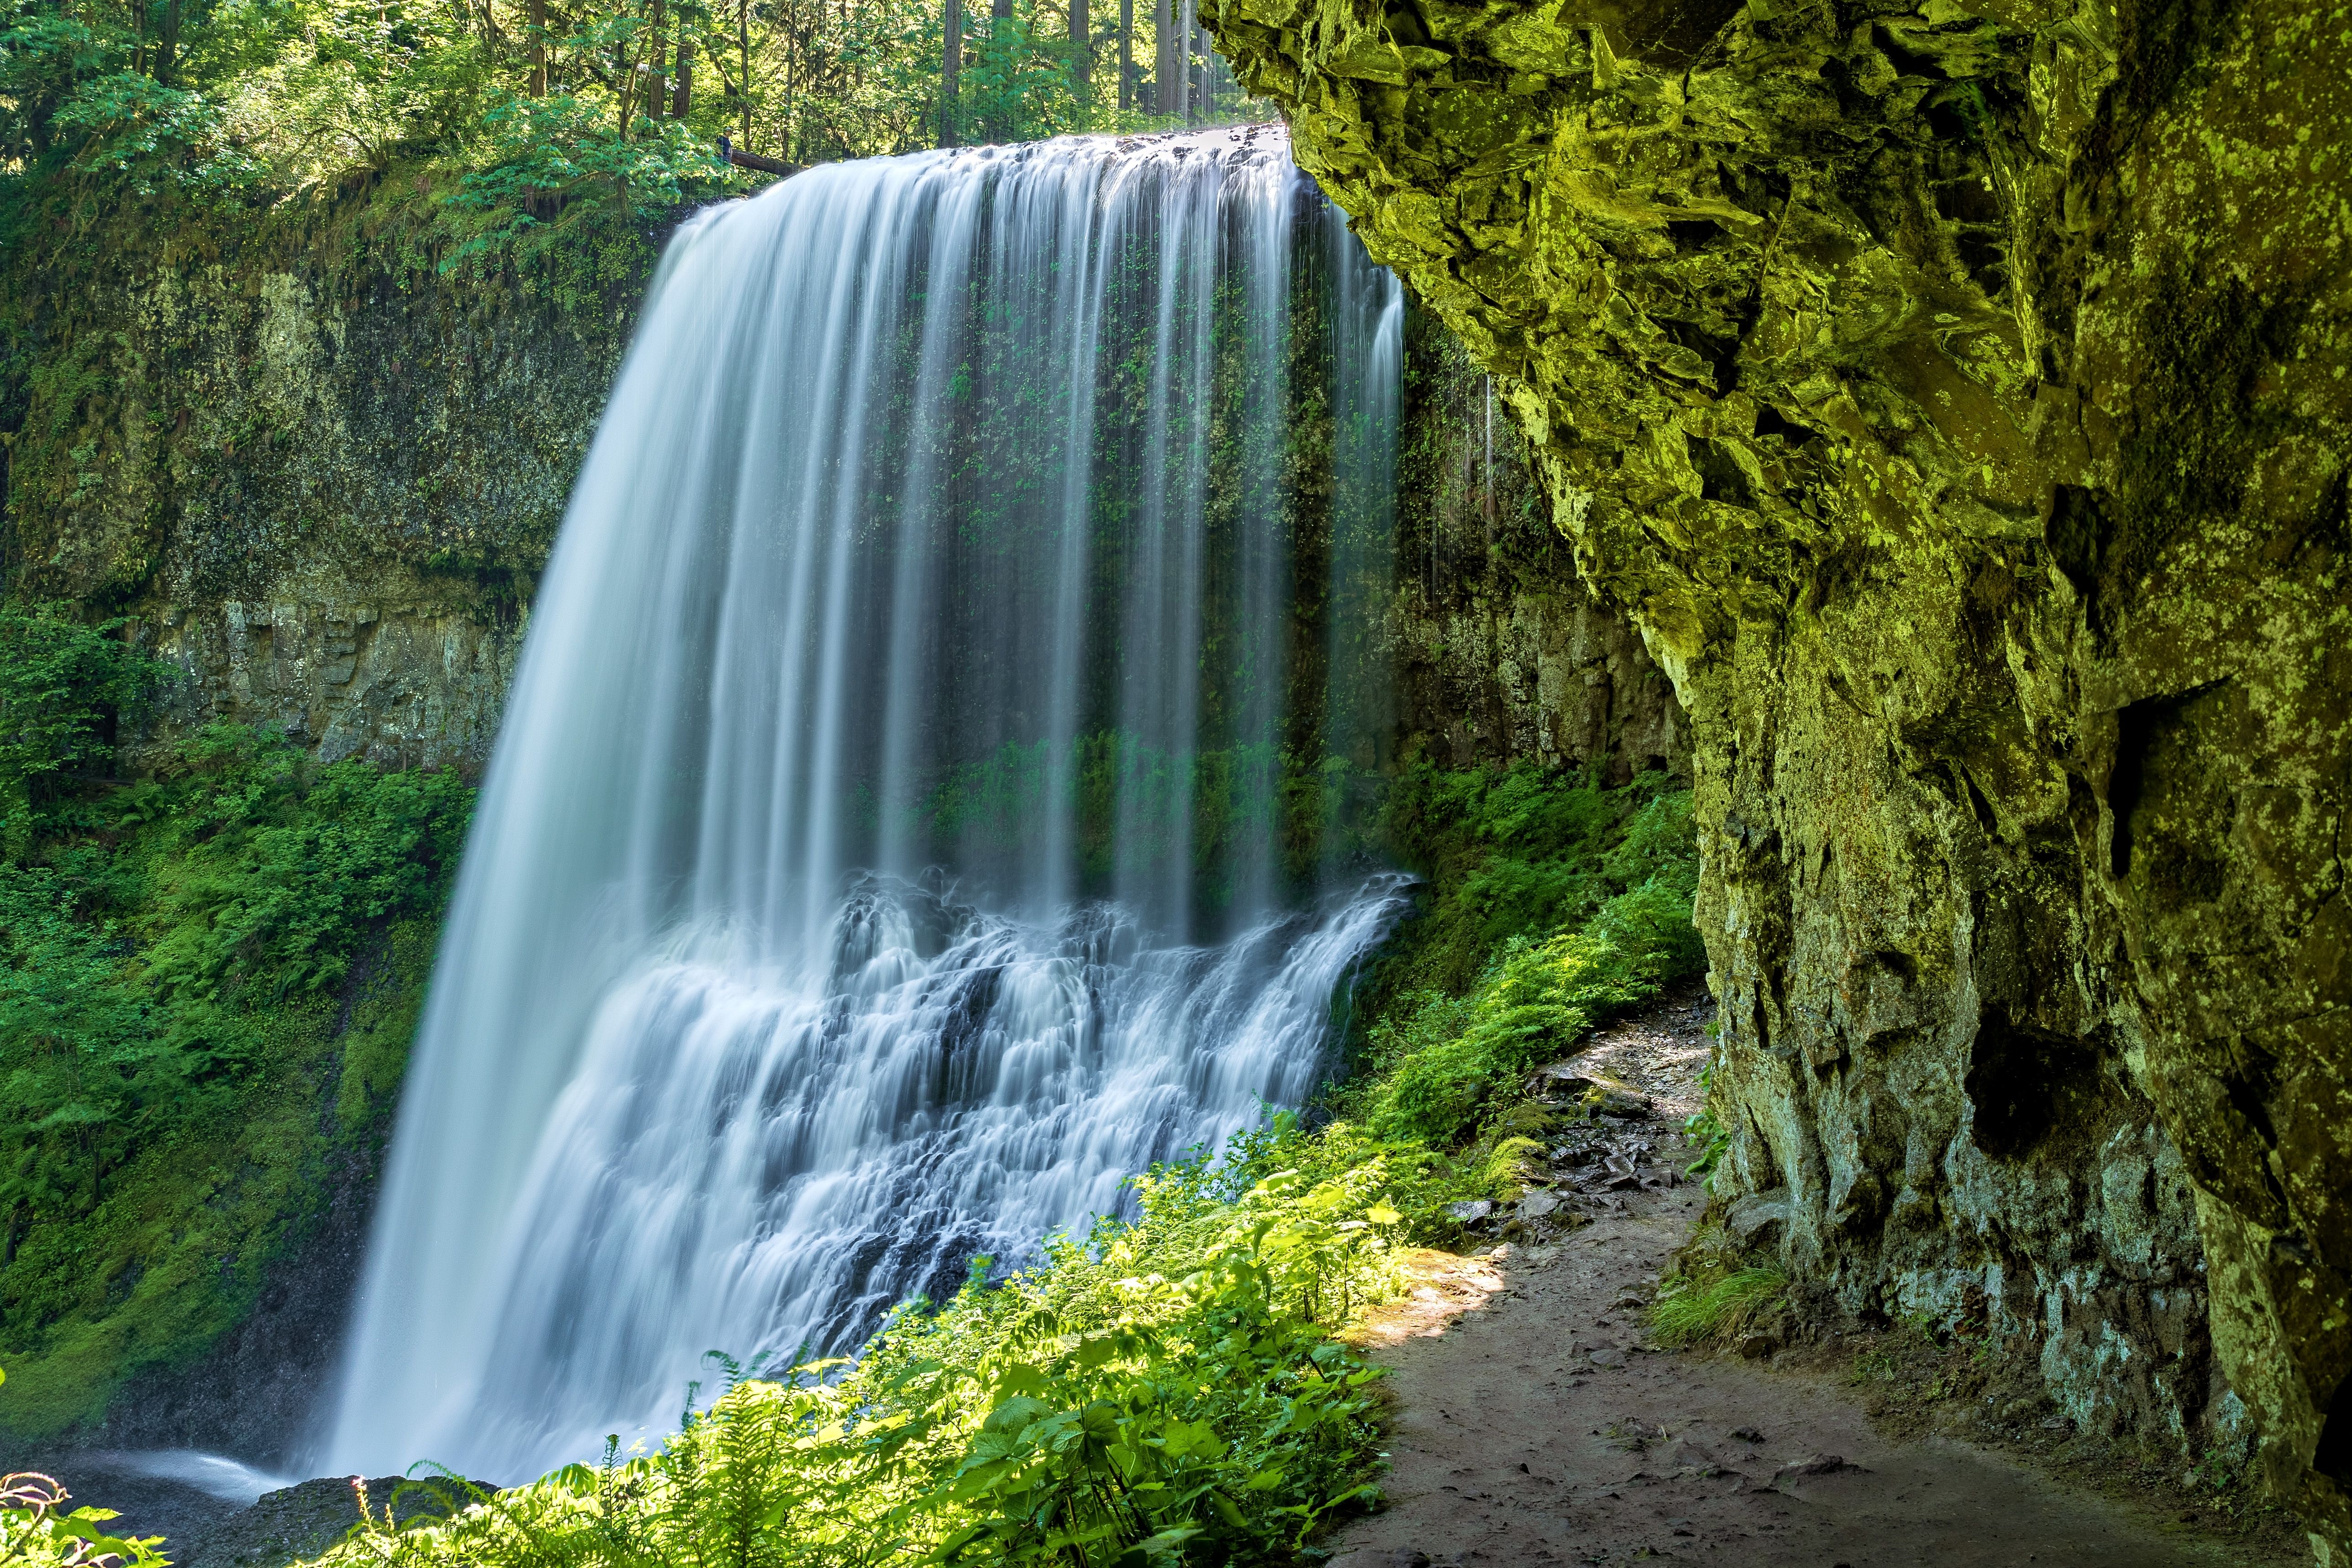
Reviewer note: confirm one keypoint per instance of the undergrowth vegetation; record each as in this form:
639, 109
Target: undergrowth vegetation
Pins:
38, 1531
208, 976
1170, 1388
1166, 1390
1554, 904
1715, 1307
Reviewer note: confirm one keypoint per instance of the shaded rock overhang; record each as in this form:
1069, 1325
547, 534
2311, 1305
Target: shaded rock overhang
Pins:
1955, 395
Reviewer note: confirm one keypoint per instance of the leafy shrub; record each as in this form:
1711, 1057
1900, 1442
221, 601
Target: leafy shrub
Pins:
1165, 1391
1537, 999
37, 1531
131, 972
206, 977
545, 157
1512, 855
158, 136
63, 687
1524, 851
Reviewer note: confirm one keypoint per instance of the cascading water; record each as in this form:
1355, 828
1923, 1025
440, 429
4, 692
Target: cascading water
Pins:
943, 516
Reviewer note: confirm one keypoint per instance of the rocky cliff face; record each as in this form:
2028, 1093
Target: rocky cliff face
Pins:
323, 479
319, 477
1499, 651
1958, 392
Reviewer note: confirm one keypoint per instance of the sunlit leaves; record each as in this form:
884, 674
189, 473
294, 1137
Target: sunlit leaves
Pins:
1196, 1412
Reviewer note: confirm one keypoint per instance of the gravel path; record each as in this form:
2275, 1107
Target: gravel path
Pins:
1535, 1427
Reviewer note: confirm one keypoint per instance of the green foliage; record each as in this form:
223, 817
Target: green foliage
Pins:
1526, 851
63, 688
156, 135
1537, 1000
614, 105
1702, 1127
1164, 1391
35, 1530
561, 153
1701, 1309
1556, 903
275, 872
181, 959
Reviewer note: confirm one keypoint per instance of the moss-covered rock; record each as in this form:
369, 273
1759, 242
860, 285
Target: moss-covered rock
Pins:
1500, 653
321, 473
1957, 393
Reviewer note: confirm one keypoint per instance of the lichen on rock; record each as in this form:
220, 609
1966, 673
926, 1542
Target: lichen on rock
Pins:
1955, 395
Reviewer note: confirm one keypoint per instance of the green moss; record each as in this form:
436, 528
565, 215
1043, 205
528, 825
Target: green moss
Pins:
243, 393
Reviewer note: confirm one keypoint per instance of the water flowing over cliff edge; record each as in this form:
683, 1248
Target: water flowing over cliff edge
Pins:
889, 846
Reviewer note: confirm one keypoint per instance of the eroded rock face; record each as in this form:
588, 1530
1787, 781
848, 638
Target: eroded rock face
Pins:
1497, 652
322, 487
1958, 396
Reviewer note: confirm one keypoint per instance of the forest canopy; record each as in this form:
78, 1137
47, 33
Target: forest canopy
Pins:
517, 107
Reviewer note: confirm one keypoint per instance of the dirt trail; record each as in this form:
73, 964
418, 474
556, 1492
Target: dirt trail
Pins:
1534, 1425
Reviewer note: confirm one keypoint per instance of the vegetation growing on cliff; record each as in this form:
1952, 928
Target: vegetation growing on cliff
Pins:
207, 980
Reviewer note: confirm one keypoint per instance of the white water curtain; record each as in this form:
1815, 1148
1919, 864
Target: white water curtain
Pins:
784, 973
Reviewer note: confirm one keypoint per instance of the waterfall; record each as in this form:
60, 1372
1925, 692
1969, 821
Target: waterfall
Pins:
896, 837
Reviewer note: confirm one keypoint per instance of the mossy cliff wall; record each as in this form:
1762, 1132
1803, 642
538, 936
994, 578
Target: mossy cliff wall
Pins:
320, 475
1500, 653
1957, 395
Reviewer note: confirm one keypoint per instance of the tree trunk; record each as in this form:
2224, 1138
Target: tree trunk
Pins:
658, 73
1208, 75
1126, 55
167, 51
681, 92
538, 48
950, 67
744, 57
1082, 51
1186, 104
1166, 79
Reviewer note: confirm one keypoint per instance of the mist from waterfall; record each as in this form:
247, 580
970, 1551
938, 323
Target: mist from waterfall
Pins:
918, 807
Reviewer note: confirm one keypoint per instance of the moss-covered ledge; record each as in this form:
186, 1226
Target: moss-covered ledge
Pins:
1958, 395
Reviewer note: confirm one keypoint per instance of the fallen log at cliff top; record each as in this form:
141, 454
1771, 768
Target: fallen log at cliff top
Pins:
754, 161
